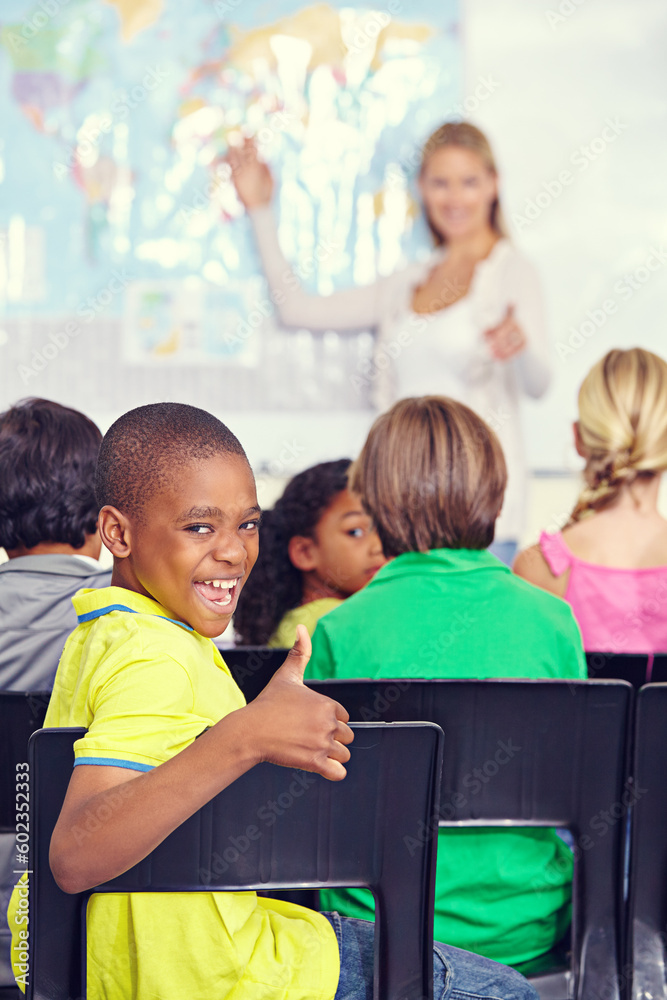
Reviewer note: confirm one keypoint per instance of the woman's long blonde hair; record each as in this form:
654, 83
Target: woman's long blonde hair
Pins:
622, 425
465, 136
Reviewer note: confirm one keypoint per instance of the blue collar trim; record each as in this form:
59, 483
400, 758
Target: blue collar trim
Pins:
90, 615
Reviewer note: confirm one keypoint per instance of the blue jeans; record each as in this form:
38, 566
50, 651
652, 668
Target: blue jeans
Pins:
457, 975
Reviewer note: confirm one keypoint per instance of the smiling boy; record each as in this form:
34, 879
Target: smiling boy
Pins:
179, 513
166, 722
186, 551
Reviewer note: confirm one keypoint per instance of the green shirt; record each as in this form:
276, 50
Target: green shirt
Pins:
309, 614
462, 613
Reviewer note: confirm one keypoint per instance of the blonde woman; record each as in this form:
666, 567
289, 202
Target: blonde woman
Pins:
467, 323
610, 561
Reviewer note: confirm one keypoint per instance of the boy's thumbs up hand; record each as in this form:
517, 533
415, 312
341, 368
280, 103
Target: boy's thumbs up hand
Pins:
297, 727
295, 665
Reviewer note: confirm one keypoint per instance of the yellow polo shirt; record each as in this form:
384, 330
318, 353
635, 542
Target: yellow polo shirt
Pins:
145, 686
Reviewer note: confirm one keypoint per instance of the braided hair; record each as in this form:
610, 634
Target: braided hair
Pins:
622, 426
275, 585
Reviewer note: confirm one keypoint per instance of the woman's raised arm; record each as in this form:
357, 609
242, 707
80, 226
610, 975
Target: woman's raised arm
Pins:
356, 308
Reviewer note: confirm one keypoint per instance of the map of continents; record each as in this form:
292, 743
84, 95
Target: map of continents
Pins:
117, 116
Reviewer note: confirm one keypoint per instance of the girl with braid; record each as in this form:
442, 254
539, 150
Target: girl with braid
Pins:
317, 547
610, 560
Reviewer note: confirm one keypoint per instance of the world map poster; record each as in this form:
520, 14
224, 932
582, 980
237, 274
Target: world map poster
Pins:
128, 270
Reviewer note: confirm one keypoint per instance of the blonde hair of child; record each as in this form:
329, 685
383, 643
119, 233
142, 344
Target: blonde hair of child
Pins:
432, 475
622, 425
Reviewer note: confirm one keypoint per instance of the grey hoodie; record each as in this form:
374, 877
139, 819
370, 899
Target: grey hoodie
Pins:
36, 615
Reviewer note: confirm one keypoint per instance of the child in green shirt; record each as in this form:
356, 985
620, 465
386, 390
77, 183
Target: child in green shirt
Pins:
432, 476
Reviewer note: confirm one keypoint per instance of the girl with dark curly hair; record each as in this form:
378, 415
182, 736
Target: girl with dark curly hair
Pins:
317, 547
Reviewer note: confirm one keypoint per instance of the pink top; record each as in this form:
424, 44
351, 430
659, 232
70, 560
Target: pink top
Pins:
618, 610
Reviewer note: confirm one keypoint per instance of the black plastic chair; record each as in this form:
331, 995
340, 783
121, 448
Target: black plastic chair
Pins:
647, 902
659, 669
630, 667
21, 713
572, 765
252, 667
348, 833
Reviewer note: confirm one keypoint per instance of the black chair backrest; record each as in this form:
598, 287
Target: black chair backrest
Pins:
647, 903
630, 667
21, 713
348, 833
252, 667
531, 753
659, 669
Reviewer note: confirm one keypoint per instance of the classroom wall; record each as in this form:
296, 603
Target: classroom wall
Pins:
578, 116
573, 95
574, 100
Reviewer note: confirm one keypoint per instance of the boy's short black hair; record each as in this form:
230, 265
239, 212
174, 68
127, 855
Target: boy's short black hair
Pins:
143, 449
47, 475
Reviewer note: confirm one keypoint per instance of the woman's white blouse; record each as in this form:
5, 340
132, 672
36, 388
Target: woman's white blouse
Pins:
442, 352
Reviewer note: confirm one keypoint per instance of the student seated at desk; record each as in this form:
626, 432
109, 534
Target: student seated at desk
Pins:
165, 719
48, 527
432, 477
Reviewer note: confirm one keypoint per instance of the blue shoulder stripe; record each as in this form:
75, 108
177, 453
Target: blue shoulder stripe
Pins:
132, 765
89, 616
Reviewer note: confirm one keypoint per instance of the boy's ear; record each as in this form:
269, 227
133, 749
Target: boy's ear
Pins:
114, 529
302, 553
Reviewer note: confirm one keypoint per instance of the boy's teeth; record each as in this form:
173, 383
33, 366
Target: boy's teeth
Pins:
217, 591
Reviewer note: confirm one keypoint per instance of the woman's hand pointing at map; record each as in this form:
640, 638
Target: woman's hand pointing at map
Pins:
250, 175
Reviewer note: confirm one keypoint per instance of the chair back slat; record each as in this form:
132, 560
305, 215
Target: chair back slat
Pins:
252, 667
21, 713
659, 669
630, 667
647, 902
532, 753
272, 828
